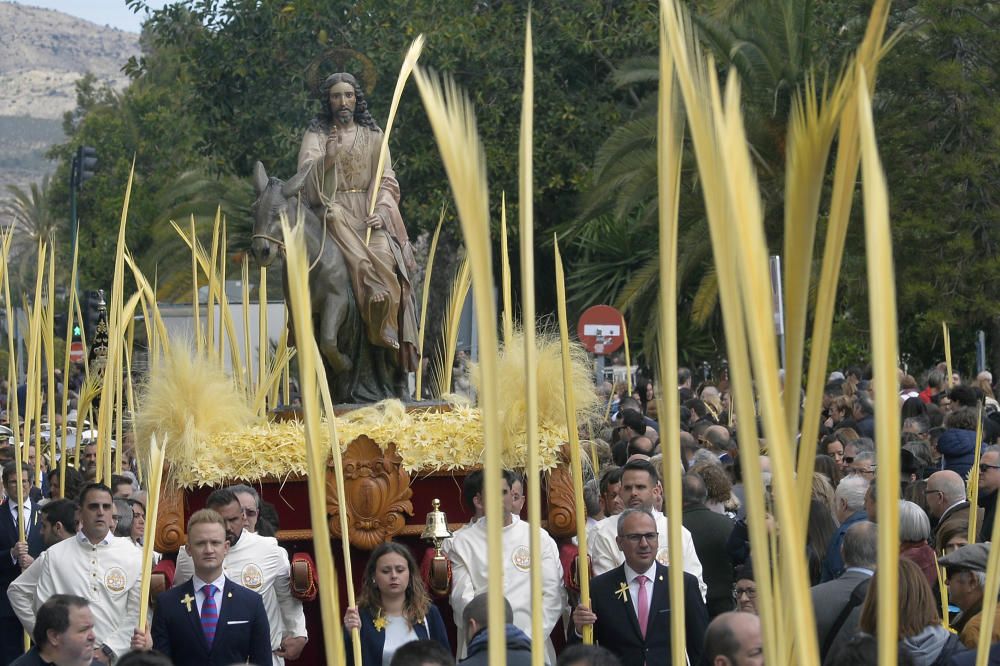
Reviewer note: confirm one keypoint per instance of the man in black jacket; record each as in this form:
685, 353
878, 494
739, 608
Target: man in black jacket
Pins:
630, 604
710, 532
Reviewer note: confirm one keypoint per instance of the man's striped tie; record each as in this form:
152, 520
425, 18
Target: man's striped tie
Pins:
209, 614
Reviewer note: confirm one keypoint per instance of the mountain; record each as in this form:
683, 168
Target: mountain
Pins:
42, 54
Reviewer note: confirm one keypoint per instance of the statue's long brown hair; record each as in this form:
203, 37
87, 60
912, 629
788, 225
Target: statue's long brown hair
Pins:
417, 601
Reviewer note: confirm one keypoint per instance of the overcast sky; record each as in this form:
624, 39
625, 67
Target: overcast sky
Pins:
102, 12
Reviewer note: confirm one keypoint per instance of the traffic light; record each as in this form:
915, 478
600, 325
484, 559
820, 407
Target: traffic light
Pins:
84, 164
92, 303
77, 333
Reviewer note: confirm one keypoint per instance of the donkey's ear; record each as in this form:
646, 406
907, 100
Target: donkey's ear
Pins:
259, 178
294, 184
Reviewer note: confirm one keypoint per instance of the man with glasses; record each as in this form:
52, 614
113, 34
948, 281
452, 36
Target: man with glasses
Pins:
630, 605
863, 464
250, 501
946, 501
989, 482
641, 489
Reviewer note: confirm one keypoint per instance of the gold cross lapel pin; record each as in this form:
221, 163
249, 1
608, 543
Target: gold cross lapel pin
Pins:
622, 592
187, 601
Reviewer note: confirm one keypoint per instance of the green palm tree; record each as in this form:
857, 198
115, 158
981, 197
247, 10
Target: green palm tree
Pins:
772, 45
32, 216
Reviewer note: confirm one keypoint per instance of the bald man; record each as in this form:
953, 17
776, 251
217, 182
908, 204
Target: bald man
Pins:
946, 500
734, 639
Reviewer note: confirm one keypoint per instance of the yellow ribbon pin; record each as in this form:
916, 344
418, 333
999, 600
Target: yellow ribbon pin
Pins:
622, 592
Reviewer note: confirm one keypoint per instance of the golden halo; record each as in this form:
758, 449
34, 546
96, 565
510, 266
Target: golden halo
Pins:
341, 59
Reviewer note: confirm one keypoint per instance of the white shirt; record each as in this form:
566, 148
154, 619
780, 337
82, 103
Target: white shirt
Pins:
108, 574
22, 590
200, 594
398, 632
632, 577
606, 555
470, 576
259, 564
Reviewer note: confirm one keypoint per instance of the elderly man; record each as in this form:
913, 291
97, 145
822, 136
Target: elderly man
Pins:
946, 500
734, 639
965, 571
710, 532
630, 605
849, 504
834, 600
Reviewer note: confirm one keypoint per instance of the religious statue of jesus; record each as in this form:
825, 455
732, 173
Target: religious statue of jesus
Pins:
340, 149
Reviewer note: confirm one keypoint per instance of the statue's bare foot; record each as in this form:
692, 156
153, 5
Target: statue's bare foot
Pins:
378, 306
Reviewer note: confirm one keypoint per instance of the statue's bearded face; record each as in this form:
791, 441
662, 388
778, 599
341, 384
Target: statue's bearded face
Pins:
342, 102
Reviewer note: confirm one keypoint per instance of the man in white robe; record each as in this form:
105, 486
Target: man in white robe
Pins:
470, 573
104, 569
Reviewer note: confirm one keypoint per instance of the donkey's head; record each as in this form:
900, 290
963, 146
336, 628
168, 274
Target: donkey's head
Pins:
274, 197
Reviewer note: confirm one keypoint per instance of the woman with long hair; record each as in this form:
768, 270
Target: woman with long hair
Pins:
920, 630
393, 607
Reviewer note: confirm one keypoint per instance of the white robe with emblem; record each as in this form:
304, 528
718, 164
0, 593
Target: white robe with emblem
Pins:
605, 554
470, 576
108, 576
258, 563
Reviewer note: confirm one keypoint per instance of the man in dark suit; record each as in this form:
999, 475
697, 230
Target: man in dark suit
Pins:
209, 620
631, 603
16, 555
833, 601
710, 532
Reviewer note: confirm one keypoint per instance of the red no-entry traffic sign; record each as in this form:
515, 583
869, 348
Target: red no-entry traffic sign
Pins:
76, 352
600, 329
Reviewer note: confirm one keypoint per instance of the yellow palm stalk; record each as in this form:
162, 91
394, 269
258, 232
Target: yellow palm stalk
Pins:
991, 588
338, 472
507, 317
527, 239
810, 133
842, 197
153, 481
449, 331
12, 378
693, 76
424, 297
669, 153
195, 301
882, 302
33, 401
947, 352
262, 336
213, 286
65, 396
112, 371
628, 357
247, 368
298, 291
973, 493
409, 62
50, 357
572, 429
453, 121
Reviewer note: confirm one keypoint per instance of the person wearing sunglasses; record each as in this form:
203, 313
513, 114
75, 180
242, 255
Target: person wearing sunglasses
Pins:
989, 482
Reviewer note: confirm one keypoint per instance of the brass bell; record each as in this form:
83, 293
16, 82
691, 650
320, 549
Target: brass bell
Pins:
437, 525
439, 569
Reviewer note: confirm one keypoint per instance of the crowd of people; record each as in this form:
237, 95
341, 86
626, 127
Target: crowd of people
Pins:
73, 582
